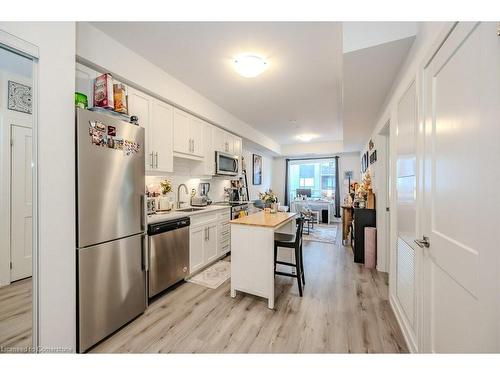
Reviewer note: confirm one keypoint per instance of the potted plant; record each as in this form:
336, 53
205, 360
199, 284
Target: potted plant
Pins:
165, 188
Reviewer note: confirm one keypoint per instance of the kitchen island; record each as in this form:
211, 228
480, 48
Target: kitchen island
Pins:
252, 252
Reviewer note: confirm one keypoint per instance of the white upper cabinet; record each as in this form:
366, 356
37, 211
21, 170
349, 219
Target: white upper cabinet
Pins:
238, 146
188, 135
182, 140
196, 133
226, 142
140, 105
207, 168
156, 118
161, 134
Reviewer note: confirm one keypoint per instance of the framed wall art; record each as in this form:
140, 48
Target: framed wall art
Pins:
257, 170
19, 97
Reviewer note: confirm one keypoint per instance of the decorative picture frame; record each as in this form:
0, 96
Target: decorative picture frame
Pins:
257, 169
19, 98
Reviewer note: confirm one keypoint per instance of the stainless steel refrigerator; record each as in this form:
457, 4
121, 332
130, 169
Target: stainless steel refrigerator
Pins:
111, 246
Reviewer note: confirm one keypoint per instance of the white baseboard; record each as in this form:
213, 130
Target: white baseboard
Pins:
408, 333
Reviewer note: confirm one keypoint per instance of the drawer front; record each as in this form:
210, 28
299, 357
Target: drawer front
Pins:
224, 216
203, 218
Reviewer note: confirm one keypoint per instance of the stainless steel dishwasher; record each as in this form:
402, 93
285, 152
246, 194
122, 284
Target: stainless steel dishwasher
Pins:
168, 254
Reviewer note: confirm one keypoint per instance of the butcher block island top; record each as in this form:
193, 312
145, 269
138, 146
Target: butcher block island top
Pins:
267, 220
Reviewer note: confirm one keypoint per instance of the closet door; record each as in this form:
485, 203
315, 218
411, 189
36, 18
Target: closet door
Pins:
461, 204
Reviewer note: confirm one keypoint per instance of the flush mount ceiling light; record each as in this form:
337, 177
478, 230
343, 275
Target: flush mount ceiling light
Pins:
306, 137
249, 65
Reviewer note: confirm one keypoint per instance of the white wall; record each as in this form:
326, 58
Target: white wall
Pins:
348, 162
105, 54
56, 177
267, 173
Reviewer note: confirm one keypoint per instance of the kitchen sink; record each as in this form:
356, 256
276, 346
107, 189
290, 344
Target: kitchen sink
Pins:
190, 209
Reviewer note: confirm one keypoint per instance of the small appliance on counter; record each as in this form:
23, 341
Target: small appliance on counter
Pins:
151, 205
202, 199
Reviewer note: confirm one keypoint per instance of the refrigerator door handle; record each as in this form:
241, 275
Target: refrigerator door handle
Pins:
144, 217
145, 253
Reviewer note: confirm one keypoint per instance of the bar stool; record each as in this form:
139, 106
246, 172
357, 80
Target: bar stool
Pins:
293, 241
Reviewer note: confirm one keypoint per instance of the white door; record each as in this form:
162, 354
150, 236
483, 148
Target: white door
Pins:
196, 244
461, 204
210, 246
139, 104
21, 206
406, 172
182, 139
161, 137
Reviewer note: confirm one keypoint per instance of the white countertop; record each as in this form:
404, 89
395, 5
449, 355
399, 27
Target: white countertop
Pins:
174, 214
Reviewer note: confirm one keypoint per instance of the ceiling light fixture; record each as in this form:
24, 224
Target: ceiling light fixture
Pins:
249, 65
306, 137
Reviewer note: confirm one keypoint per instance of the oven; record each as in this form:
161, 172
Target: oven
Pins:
226, 164
237, 208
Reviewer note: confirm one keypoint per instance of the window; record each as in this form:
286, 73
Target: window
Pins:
318, 175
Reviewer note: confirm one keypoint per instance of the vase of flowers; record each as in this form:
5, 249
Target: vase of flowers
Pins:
270, 200
165, 188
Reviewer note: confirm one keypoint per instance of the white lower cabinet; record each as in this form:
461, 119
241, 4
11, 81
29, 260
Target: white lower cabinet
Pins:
203, 243
196, 242
210, 239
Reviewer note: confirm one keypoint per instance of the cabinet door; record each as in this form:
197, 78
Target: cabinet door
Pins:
219, 140
237, 146
210, 248
229, 143
196, 244
196, 135
182, 140
139, 104
207, 166
161, 137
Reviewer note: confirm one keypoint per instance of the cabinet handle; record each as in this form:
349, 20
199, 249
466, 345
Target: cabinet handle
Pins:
193, 145
156, 160
152, 160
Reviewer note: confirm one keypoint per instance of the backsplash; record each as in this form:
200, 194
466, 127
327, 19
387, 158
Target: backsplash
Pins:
216, 192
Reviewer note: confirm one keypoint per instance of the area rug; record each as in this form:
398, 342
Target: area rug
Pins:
214, 276
321, 233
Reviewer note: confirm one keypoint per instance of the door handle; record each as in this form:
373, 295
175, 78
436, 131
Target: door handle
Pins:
145, 253
424, 242
144, 214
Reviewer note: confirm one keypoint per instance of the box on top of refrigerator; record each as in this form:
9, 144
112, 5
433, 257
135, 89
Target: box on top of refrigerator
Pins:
103, 91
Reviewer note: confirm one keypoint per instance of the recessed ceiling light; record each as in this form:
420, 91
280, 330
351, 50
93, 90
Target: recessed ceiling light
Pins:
306, 137
249, 65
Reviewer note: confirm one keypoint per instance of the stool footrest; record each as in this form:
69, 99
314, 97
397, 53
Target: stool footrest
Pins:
286, 263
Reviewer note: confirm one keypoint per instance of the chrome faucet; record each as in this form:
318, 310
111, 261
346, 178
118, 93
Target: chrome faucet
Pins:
179, 202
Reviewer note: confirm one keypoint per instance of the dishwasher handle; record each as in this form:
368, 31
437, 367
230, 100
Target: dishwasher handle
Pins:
166, 226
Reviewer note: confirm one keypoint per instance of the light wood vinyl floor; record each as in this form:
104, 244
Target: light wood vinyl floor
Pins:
344, 309
15, 315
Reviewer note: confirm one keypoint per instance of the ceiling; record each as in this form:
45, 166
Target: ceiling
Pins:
299, 93
321, 80
369, 74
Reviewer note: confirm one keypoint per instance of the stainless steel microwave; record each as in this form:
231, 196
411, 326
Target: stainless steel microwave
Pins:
226, 164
